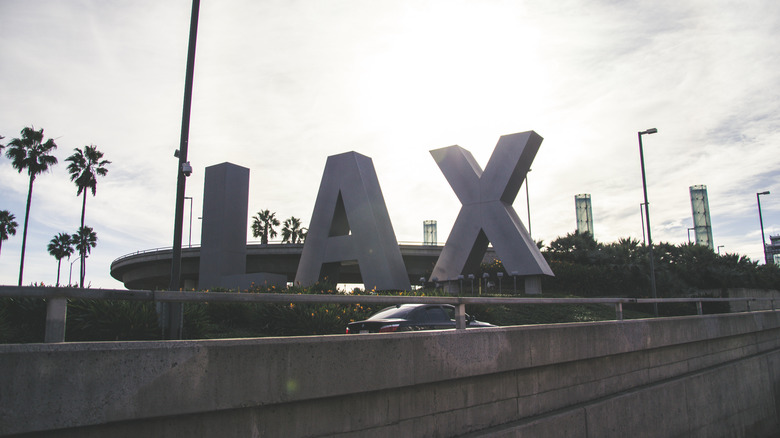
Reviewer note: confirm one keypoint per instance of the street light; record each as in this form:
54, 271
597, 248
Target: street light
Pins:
719, 247
173, 313
647, 216
528, 203
71, 269
761, 220
190, 198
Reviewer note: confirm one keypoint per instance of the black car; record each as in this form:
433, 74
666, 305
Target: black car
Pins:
408, 317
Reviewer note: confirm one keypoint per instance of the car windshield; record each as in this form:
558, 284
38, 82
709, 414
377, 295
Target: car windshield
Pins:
393, 313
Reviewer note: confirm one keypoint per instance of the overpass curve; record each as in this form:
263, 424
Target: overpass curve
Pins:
151, 269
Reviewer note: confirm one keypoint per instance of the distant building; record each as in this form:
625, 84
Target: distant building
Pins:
700, 206
773, 250
429, 232
584, 211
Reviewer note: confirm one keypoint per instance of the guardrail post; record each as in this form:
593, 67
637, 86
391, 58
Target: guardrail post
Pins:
56, 312
747, 305
699, 309
460, 316
619, 311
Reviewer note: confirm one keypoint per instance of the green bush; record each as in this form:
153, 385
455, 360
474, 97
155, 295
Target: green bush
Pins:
106, 320
22, 320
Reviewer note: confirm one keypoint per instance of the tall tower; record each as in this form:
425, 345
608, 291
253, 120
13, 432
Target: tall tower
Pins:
584, 210
700, 206
429, 232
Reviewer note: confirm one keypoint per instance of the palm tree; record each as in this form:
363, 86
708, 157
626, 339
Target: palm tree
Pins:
30, 153
7, 225
61, 246
263, 225
85, 239
292, 231
84, 168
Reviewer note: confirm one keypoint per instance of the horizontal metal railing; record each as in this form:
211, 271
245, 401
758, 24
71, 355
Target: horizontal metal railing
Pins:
57, 301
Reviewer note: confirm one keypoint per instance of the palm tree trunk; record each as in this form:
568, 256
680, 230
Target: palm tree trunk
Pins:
24, 233
59, 264
82, 262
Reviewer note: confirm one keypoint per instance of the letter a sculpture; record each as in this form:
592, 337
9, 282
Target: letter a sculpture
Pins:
350, 222
487, 215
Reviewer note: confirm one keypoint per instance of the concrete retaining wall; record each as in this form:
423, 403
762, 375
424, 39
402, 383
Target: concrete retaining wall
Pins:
716, 375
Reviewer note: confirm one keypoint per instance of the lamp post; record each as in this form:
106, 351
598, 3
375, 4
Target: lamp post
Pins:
471, 277
189, 242
528, 203
71, 269
173, 313
647, 216
761, 220
190, 239
499, 275
719, 247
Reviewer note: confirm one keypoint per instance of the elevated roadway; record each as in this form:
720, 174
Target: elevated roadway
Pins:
151, 269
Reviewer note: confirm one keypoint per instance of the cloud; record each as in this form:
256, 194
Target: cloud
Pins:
280, 86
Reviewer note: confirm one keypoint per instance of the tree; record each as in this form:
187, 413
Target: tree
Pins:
292, 231
61, 246
32, 154
84, 168
7, 225
263, 225
85, 239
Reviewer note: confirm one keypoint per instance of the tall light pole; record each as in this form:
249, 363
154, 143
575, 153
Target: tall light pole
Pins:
647, 217
761, 220
71, 269
190, 199
528, 204
173, 315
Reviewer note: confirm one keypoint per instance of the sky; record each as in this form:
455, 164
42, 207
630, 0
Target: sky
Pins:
281, 85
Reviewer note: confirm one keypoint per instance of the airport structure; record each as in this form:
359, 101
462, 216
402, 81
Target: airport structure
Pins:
702, 225
773, 250
584, 210
350, 238
429, 232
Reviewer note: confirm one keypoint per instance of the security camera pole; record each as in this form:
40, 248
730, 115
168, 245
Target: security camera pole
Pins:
173, 314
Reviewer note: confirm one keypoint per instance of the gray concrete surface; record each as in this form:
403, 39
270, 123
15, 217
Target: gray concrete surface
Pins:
350, 225
487, 215
710, 376
224, 226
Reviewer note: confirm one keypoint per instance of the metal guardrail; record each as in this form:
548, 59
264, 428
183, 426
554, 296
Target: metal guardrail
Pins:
56, 297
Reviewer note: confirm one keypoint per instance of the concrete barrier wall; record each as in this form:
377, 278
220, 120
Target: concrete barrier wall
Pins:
716, 375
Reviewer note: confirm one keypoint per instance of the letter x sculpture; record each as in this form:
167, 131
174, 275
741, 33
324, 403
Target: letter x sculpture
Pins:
487, 214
